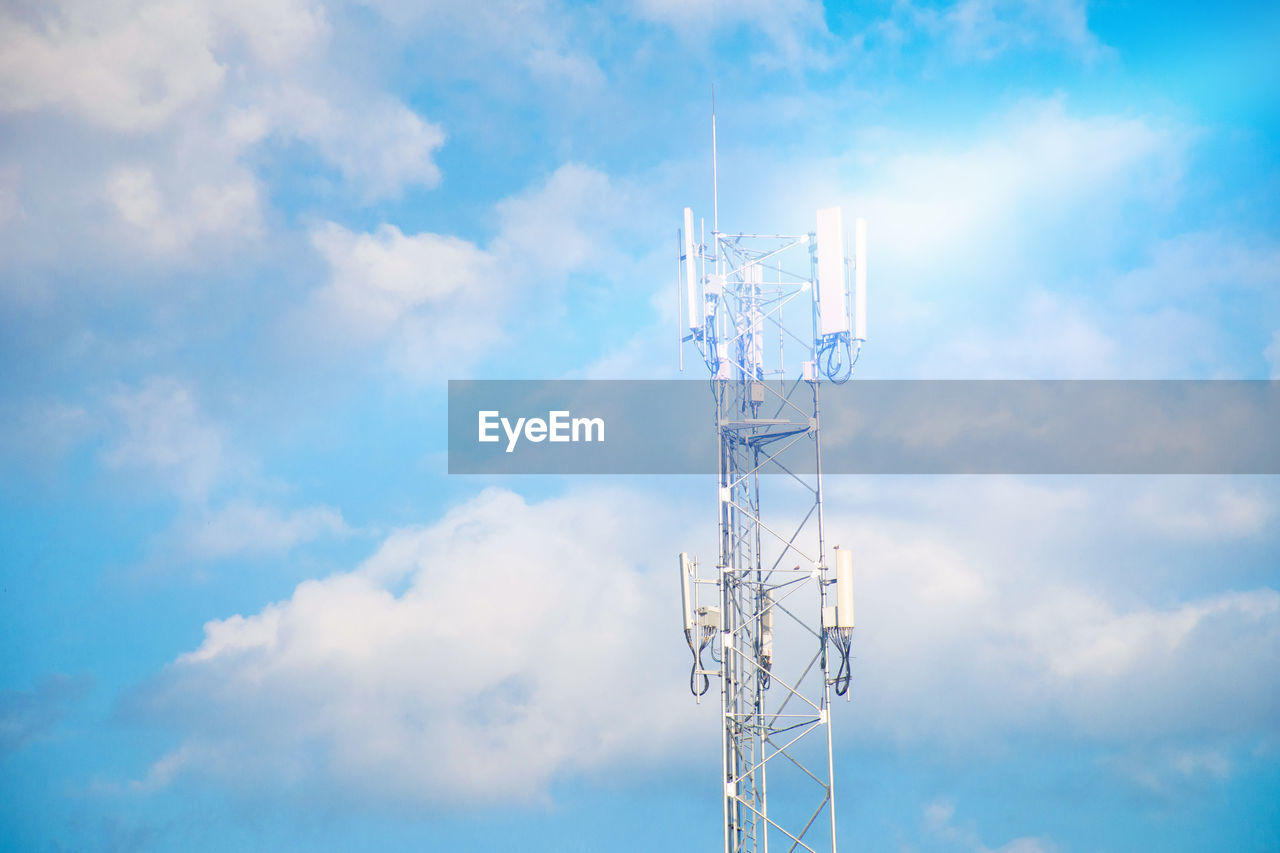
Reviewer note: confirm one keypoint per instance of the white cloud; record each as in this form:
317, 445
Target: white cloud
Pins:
1049, 337
1272, 355
170, 104
1161, 318
503, 42
795, 29
982, 30
124, 66
995, 600
10, 193
377, 143
44, 430
1193, 510
161, 431
940, 823
431, 299
1173, 772
169, 222
1192, 264
481, 657
1038, 165
131, 66
1011, 255
512, 643
27, 716
244, 527
378, 278
436, 299
560, 225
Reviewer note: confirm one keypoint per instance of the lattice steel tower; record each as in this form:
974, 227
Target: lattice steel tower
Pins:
782, 613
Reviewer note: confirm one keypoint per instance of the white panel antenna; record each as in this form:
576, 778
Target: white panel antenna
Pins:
686, 594
860, 279
693, 289
833, 290
844, 588
755, 277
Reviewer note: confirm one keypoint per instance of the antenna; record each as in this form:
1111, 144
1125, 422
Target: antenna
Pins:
686, 596
833, 310
860, 279
691, 277
785, 616
715, 177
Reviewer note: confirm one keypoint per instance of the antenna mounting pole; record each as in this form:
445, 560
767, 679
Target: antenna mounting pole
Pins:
715, 179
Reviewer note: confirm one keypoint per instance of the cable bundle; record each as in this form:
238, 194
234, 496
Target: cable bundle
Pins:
842, 638
703, 641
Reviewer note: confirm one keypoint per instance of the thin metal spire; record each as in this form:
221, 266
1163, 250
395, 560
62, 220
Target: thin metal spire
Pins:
715, 179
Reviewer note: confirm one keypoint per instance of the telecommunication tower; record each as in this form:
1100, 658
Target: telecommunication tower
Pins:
781, 613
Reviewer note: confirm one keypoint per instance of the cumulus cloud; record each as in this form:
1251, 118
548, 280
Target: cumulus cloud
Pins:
1272, 355
160, 431
1038, 162
1173, 773
506, 645
178, 99
1158, 318
504, 42
1010, 254
379, 277
44, 430
940, 823
377, 143
131, 66
1013, 254
1214, 510
436, 299
1050, 337
169, 222
127, 71
428, 299
27, 716
796, 30
994, 601
983, 30
565, 222
245, 527
512, 643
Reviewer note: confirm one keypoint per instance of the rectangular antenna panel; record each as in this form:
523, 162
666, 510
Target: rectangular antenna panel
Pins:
725, 371
685, 597
755, 276
766, 625
833, 313
860, 279
844, 588
692, 292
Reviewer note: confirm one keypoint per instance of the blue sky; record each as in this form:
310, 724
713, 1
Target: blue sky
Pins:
243, 246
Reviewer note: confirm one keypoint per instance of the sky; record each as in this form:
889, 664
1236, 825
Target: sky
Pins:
244, 246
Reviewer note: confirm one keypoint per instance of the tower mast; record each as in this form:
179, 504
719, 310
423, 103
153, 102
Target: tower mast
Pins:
771, 625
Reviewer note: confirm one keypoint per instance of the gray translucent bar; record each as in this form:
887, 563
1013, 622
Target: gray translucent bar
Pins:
879, 427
